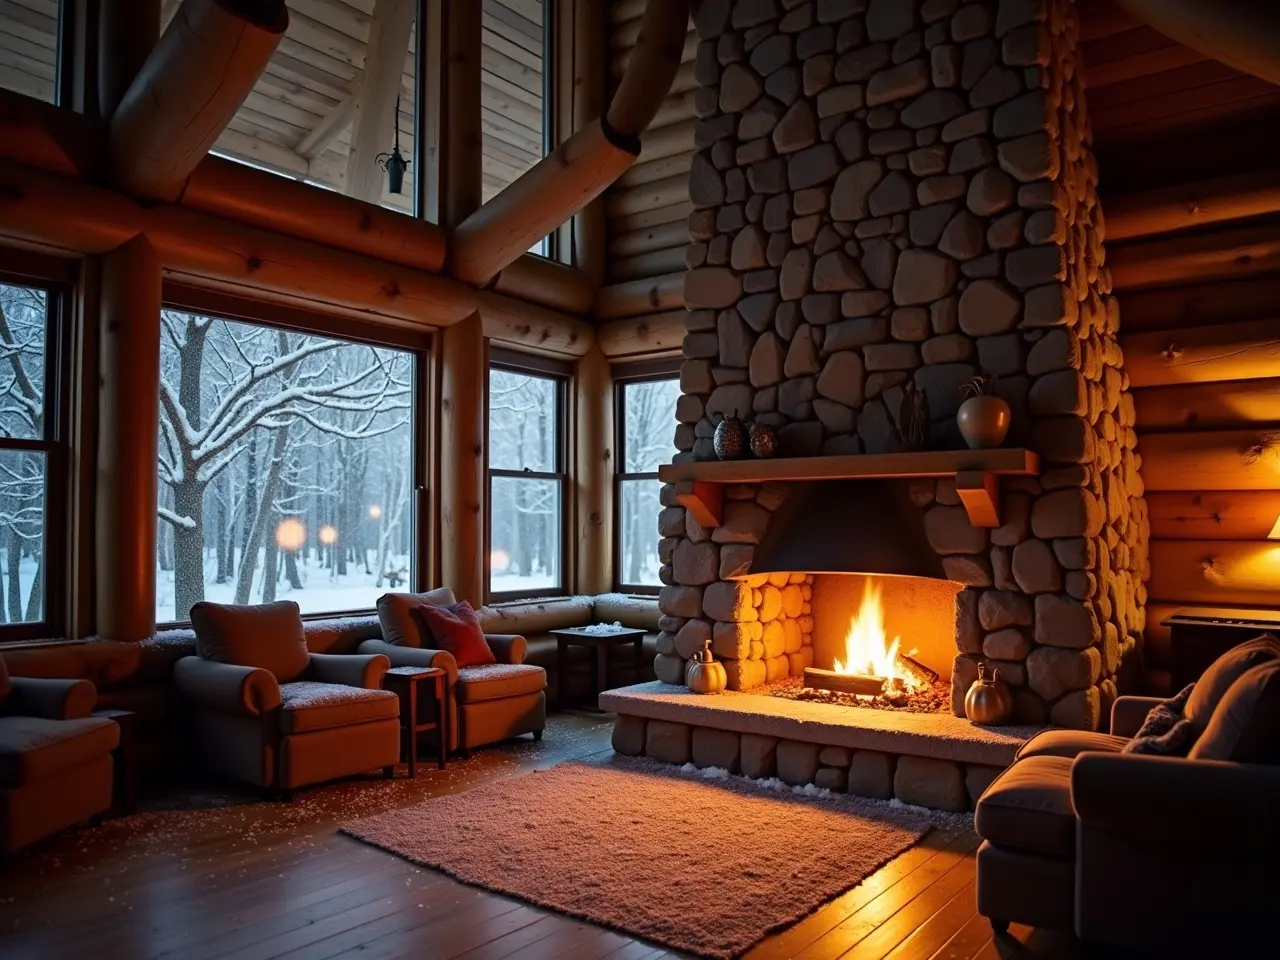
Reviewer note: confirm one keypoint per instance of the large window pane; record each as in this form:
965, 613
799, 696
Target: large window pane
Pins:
525, 524
29, 47
286, 468
639, 533
297, 121
650, 415
22, 536
23, 324
523, 425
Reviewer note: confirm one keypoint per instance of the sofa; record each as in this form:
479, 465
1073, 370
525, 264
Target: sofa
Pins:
1139, 850
55, 758
266, 710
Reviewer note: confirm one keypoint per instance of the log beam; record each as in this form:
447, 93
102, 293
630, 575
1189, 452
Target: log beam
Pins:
1193, 205
327, 130
650, 66
38, 134
374, 112
459, 179
1211, 460
590, 229
127, 477
1224, 253
191, 86
128, 31
638, 297
1213, 514
548, 283
658, 333
1225, 351
1218, 572
1208, 406
464, 392
593, 476
528, 327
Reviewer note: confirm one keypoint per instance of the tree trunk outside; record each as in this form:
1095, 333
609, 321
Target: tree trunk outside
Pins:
188, 547
35, 601
258, 529
15, 584
270, 560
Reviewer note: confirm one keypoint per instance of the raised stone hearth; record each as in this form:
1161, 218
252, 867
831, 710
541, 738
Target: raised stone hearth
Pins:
930, 760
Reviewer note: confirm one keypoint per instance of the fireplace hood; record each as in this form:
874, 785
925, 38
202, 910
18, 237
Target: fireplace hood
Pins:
848, 526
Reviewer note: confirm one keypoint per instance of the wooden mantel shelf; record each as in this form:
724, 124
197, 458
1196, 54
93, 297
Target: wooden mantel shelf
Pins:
699, 486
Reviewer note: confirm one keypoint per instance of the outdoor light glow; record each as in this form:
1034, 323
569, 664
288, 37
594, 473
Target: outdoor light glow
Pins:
291, 534
375, 511
328, 535
499, 560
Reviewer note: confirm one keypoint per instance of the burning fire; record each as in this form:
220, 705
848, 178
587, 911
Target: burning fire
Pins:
868, 651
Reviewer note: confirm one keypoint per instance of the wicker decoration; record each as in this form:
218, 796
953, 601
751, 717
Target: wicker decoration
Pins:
764, 440
730, 439
913, 417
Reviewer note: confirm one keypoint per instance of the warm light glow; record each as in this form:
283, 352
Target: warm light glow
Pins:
499, 560
291, 534
328, 535
1275, 531
375, 512
868, 650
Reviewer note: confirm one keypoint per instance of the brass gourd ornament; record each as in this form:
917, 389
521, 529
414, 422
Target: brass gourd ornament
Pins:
764, 440
703, 674
730, 439
988, 701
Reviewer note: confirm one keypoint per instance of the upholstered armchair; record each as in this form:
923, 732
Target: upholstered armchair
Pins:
487, 704
267, 711
55, 759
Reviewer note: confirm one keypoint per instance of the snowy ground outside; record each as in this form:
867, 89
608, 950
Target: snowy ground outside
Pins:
26, 576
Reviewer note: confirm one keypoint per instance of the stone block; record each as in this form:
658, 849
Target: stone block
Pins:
692, 637
925, 782
758, 755
1078, 710
668, 742
835, 756
797, 762
1053, 672
871, 774
669, 669
695, 564
629, 735
1063, 621
977, 778
680, 601
834, 779
716, 748
744, 674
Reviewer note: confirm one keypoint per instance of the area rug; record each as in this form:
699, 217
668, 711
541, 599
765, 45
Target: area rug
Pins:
707, 866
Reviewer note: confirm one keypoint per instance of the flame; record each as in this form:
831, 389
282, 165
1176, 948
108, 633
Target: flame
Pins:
868, 650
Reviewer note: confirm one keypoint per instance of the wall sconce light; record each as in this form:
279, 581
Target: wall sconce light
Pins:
394, 162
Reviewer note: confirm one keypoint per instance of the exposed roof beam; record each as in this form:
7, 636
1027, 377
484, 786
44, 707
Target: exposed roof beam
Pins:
327, 130
373, 115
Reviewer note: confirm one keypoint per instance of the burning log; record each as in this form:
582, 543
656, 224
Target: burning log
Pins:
919, 674
843, 682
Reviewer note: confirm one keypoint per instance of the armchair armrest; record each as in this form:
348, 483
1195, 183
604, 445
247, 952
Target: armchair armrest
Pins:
226, 687
507, 647
414, 657
52, 699
1129, 713
354, 670
1172, 801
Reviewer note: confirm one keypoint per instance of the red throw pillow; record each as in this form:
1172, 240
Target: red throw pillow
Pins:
456, 629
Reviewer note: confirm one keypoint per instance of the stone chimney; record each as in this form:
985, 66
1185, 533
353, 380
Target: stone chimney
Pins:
889, 191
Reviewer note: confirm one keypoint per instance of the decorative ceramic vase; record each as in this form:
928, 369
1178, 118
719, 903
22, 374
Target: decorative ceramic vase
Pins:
703, 674
764, 440
730, 438
984, 421
988, 702
913, 417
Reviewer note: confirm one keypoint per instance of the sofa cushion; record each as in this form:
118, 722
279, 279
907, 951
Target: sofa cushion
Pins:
395, 613
306, 706
1028, 807
498, 680
456, 629
1245, 728
1222, 673
1068, 743
268, 636
32, 748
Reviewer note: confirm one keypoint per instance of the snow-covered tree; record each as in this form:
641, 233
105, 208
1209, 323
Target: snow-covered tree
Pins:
649, 411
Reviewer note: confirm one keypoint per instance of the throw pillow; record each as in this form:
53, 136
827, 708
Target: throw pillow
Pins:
456, 629
1246, 726
268, 636
1222, 673
1165, 732
395, 614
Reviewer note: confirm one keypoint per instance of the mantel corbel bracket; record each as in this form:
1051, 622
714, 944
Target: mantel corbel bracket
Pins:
704, 500
979, 491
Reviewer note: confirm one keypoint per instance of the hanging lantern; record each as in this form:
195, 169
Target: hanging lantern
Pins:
394, 162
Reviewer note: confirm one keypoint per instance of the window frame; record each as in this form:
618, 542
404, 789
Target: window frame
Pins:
57, 279
625, 375
222, 306
530, 365
546, 246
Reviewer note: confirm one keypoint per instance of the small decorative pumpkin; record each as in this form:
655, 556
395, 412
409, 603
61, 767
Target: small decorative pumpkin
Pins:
703, 674
764, 440
984, 418
988, 702
730, 438
913, 417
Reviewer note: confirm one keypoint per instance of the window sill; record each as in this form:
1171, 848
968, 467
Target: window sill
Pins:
8, 645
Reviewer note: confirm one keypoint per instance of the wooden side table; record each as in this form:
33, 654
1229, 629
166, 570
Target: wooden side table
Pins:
404, 682
124, 763
602, 642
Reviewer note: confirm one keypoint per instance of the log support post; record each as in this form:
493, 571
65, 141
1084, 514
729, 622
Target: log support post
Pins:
594, 466
128, 31
464, 402
128, 410
589, 232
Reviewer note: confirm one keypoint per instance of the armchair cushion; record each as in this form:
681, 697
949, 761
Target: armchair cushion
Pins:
1222, 673
307, 706
497, 680
1069, 743
268, 635
51, 699
226, 687
32, 748
354, 670
1245, 727
456, 629
395, 613
1028, 807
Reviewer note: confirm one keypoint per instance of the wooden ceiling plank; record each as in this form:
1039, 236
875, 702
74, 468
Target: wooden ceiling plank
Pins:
512, 51
1102, 18
1143, 65
1160, 85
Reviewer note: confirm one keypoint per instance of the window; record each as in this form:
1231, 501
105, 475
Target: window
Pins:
32, 458
297, 121
288, 467
646, 411
526, 481
29, 49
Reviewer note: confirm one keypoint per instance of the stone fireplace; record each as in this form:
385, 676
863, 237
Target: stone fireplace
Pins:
890, 192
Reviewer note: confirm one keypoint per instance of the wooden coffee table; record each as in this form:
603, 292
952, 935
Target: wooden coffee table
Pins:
404, 681
602, 642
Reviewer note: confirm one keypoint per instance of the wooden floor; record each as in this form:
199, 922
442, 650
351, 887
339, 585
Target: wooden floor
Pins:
253, 880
